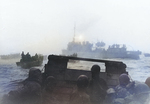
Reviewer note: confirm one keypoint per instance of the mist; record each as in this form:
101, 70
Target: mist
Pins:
47, 26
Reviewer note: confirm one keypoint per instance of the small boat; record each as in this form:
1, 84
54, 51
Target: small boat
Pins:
73, 55
28, 61
147, 54
10, 56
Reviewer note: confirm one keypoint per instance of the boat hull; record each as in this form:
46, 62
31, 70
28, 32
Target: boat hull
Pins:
29, 64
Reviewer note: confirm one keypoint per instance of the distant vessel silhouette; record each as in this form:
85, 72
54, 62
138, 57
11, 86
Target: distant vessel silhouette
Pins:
87, 49
147, 54
10, 56
27, 61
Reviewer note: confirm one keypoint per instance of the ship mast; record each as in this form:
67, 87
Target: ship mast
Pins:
74, 32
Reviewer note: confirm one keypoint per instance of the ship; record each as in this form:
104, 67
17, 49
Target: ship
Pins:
98, 50
28, 61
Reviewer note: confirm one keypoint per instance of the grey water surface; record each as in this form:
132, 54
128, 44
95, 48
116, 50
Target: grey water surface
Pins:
10, 74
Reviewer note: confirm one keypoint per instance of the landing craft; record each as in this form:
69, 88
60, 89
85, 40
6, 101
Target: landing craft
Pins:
67, 77
28, 61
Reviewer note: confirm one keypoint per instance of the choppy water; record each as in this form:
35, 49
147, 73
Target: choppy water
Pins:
10, 74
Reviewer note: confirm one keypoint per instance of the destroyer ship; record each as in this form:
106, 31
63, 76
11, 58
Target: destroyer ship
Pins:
89, 50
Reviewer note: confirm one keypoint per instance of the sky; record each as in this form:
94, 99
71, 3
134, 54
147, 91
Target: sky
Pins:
46, 26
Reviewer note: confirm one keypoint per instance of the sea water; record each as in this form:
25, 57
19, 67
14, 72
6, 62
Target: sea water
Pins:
10, 74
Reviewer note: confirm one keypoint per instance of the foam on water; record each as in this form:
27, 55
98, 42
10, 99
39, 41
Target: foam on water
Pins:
138, 69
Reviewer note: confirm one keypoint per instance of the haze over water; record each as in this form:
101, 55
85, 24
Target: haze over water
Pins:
46, 26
